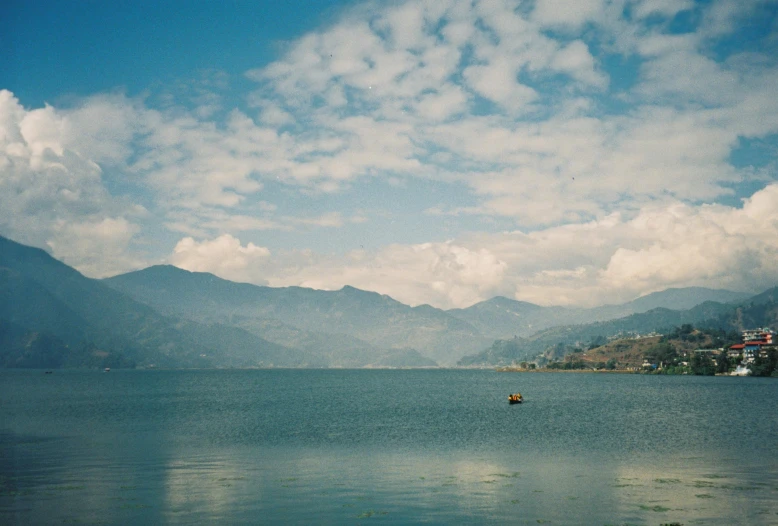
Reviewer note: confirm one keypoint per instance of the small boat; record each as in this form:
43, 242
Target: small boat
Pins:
515, 398
107, 370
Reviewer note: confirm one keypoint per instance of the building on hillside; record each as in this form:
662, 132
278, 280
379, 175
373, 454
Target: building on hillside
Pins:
754, 342
749, 355
735, 351
761, 335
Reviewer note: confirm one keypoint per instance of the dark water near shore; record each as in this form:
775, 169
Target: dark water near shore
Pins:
383, 446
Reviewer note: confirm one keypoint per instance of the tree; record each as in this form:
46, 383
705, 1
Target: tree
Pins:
766, 366
597, 341
722, 364
661, 352
702, 365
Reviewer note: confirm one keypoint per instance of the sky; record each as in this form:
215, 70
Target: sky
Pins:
442, 152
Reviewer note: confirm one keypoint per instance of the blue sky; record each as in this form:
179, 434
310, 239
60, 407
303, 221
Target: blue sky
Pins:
440, 152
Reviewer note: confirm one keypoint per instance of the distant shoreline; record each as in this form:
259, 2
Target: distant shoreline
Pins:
583, 371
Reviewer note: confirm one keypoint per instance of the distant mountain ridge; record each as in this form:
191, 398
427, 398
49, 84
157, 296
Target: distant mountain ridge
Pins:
42, 295
508, 318
171, 317
376, 320
658, 319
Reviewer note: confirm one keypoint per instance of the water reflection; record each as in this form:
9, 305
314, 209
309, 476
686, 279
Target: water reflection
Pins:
193, 448
240, 485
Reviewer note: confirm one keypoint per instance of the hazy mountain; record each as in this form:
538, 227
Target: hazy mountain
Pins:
767, 297
43, 295
331, 350
324, 319
25, 302
505, 352
758, 311
174, 318
504, 317
23, 348
683, 298
507, 318
347, 324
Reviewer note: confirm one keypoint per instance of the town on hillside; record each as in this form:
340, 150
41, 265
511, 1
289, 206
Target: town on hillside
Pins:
685, 350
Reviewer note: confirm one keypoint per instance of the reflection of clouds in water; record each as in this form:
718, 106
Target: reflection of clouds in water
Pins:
208, 487
336, 486
699, 489
449, 487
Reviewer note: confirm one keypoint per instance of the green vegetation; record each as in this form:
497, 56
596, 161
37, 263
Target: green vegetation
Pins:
686, 350
21, 348
766, 366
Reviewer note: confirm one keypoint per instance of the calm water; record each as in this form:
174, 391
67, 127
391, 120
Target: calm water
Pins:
380, 446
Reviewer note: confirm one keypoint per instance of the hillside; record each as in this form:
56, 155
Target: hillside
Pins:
630, 352
656, 320
321, 319
507, 318
168, 317
22, 348
347, 323
44, 296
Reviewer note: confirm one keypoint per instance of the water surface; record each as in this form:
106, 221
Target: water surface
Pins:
388, 446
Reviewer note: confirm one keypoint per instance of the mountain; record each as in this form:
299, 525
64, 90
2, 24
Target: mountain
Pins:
170, 317
683, 299
41, 295
347, 324
323, 319
23, 348
758, 311
507, 318
656, 320
735, 315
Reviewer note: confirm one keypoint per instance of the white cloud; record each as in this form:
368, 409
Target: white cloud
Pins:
566, 12
498, 82
576, 60
51, 195
667, 8
442, 274
223, 256
97, 248
608, 260
511, 102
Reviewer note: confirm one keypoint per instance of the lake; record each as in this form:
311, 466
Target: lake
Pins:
385, 446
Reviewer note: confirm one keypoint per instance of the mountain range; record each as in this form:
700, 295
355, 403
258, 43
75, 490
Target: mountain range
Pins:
164, 316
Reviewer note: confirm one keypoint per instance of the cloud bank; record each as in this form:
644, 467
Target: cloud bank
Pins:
604, 133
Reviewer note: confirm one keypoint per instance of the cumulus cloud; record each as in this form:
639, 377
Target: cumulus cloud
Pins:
53, 196
223, 256
98, 248
419, 78
608, 260
437, 273
565, 13
668, 8
607, 192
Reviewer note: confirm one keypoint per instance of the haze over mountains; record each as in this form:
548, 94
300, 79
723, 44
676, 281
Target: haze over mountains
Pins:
517, 318
168, 317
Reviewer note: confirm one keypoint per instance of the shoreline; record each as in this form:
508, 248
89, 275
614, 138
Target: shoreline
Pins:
579, 371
